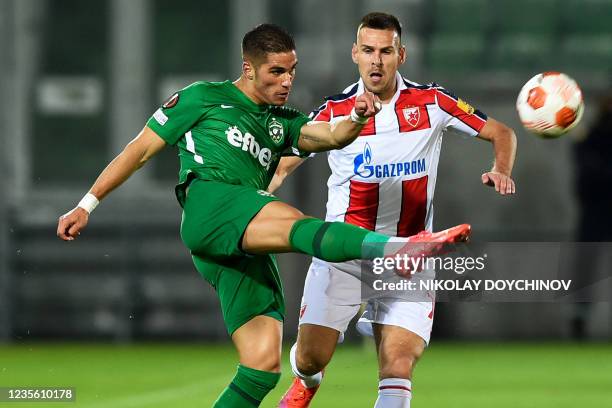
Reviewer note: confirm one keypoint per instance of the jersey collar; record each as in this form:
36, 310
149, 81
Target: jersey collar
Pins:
248, 103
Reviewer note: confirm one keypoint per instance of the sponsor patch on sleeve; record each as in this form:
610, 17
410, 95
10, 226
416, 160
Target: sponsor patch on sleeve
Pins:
160, 117
464, 106
171, 102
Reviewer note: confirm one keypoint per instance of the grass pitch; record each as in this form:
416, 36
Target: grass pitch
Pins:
450, 375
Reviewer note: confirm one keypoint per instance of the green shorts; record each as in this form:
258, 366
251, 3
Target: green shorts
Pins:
215, 217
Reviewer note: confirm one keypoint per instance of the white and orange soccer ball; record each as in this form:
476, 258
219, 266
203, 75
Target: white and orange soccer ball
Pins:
550, 104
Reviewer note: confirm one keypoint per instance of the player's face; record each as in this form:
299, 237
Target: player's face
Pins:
378, 54
273, 78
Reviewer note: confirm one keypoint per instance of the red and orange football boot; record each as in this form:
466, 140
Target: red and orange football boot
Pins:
426, 244
297, 396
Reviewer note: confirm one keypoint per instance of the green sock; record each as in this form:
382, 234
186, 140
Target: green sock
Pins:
336, 241
247, 389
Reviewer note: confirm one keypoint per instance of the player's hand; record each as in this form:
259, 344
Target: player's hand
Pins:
367, 104
503, 183
69, 225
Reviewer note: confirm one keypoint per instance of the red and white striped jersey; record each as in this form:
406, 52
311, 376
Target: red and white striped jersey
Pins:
385, 179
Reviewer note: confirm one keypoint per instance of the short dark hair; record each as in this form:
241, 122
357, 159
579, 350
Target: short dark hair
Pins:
381, 21
264, 39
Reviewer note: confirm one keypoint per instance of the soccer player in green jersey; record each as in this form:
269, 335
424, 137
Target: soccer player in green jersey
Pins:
230, 137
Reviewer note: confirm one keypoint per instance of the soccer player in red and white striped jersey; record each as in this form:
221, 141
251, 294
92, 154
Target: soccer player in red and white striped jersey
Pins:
383, 181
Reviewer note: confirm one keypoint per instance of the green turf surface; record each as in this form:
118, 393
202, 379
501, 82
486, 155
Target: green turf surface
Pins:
449, 375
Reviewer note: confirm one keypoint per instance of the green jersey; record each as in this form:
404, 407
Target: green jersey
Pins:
224, 136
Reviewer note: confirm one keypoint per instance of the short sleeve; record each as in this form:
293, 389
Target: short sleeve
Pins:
323, 113
459, 115
179, 113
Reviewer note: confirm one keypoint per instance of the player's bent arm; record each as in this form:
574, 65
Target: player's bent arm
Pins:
133, 157
504, 146
323, 136
135, 154
286, 166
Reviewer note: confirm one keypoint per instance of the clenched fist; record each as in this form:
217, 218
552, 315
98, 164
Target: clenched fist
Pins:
69, 225
367, 105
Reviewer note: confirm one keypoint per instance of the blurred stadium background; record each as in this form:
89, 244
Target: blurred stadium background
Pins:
78, 80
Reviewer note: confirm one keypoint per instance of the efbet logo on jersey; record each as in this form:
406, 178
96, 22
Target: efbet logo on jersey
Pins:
275, 130
247, 143
363, 167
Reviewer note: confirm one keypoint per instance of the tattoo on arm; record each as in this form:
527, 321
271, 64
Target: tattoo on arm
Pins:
312, 138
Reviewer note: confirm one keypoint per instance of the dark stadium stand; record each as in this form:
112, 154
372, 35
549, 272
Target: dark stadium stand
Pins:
123, 282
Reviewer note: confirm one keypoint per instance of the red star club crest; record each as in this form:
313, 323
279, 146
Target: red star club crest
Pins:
412, 115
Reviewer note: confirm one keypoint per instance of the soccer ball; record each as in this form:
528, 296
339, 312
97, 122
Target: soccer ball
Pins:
550, 104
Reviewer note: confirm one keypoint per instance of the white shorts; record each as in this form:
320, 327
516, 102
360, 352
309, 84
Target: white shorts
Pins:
332, 298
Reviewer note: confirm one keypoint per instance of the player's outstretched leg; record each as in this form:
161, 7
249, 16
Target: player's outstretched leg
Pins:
338, 242
279, 227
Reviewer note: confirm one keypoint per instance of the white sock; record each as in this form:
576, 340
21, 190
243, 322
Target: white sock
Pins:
394, 393
309, 381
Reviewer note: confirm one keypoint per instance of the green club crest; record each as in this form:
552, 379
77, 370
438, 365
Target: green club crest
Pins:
275, 129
